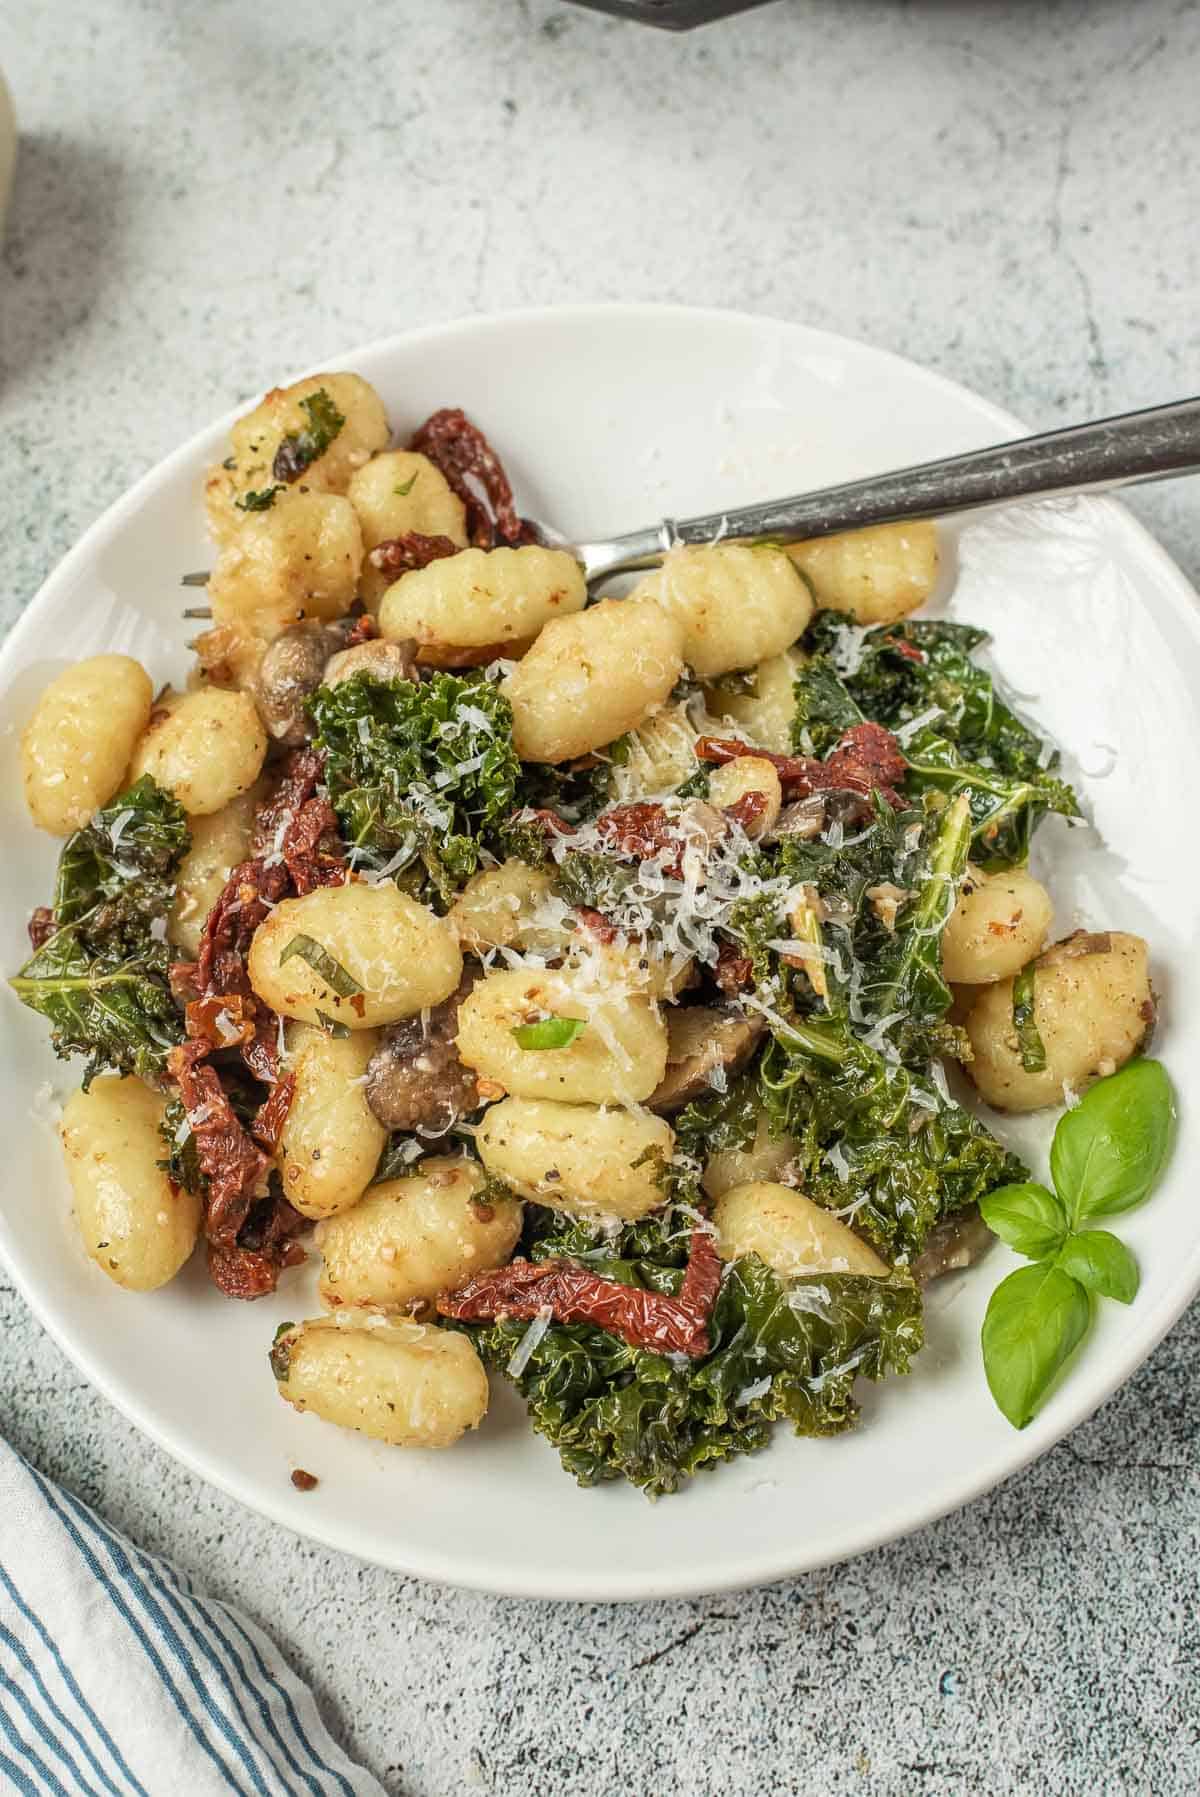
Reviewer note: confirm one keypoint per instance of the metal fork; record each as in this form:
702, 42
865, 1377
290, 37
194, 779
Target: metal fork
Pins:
1156, 444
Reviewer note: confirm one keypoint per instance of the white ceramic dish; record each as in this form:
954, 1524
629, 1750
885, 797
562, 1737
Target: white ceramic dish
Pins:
608, 417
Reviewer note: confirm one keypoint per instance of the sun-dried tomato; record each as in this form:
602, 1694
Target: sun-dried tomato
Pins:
866, 757
869, 756
475, 472
41, 926
596, 924
748, 809
733, 971
272, 1114
234, 1167
644, 831
650, 1320
411, 549
222, 1020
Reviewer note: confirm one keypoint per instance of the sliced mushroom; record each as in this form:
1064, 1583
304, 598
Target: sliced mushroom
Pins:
383, 661
291, 669
706, 1046
415, 1079
805, 819
957, 1243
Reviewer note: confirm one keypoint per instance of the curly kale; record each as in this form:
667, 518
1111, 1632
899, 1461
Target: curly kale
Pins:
971, 742
782, 1350
418, 772
100, 977
880, 1143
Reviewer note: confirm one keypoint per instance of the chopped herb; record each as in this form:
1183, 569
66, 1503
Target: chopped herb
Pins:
196, 580
550, 1032
282, 1343
404, 491
230, 463
331, 1026
1029, 1040
322, 964
298, 451
258, 502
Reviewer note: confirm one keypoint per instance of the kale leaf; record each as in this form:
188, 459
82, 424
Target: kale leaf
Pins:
880, 1143
418, 772
782, 1349
101, 977
973, 743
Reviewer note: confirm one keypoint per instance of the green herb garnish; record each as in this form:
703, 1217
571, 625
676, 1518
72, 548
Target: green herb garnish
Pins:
549, 1032
280, 1354
322, 964
298, 451
1106, 1156
261, 501
331, 1026
404, 491
1029, 1039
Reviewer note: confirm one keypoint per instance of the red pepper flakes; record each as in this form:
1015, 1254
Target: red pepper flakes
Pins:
734, 971
908, 650
596, 924
363, 630
649, 1320
304, 1481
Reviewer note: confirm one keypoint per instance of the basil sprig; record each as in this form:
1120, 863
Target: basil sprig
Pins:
1106, 1156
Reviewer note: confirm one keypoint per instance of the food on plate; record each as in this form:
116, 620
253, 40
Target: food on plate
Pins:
576, 976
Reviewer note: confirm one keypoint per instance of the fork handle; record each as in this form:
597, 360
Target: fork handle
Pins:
1155, 444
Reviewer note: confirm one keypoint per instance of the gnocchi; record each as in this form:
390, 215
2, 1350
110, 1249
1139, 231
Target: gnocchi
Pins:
762, 704
300, 559
331, 1141
998, 924
409, 1384
480, 604
358, 955
398, 492
136, 1226
765, 1158
748, 777
875, 576
590, 678
411, 1239
584, 1159
736, 605
205, 747
77, 745
619, 1054
219, 842
789, 1232
1092, 1007
316, 433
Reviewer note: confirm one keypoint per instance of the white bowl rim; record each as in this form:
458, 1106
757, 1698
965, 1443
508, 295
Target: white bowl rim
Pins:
1087, 1392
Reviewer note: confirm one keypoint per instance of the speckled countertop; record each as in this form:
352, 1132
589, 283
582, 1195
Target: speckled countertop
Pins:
208, 196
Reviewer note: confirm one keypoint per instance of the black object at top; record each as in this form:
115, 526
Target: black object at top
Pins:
671, 15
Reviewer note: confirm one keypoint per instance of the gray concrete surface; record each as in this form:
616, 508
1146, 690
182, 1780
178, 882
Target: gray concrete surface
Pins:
210, 195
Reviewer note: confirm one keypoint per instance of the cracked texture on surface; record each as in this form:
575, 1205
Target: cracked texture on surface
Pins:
208, 197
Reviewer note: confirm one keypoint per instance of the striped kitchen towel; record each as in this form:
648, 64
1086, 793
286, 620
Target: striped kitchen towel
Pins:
117, 1679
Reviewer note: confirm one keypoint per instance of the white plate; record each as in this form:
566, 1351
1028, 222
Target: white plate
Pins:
608, 417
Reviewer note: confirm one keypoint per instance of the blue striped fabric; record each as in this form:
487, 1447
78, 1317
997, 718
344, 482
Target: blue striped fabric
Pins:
118, 1680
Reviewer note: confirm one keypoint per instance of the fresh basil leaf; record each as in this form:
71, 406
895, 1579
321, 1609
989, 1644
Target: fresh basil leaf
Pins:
1035, 1320
1029, 1039
550, 1032
1027, 1217
323, 965
404, 491
1111, 1148
1102, 1263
